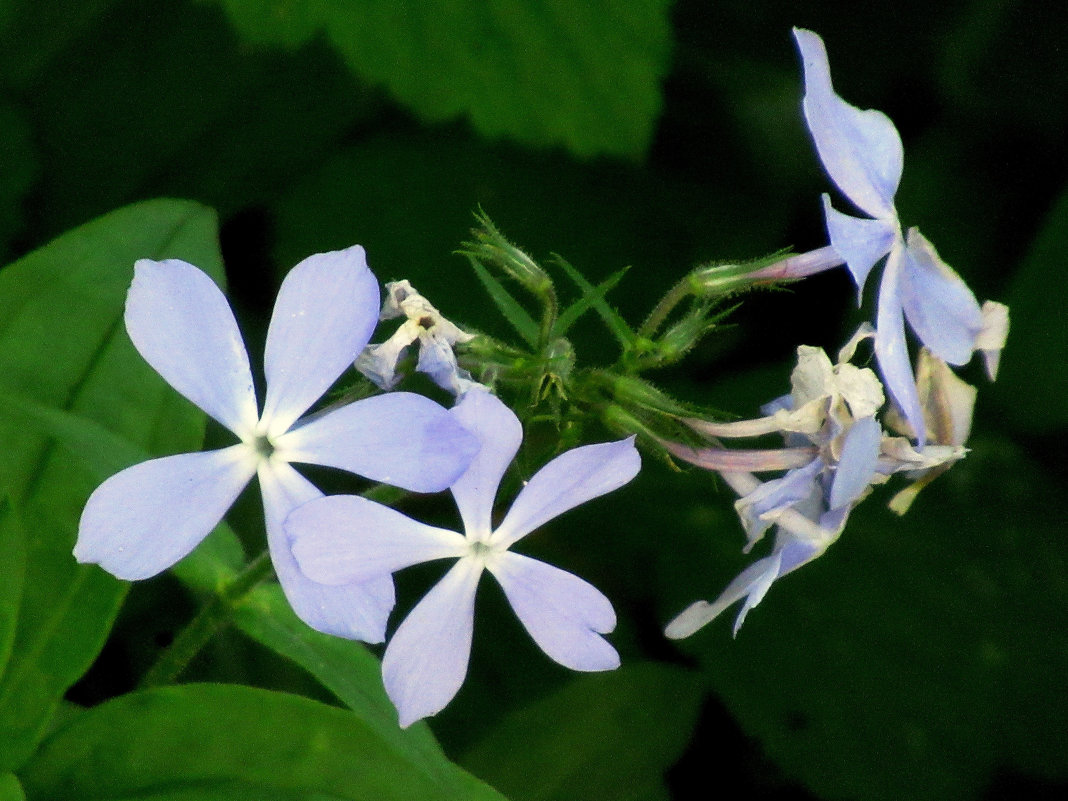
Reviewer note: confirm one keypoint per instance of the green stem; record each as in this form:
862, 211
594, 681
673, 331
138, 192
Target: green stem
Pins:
197, 633
667, 304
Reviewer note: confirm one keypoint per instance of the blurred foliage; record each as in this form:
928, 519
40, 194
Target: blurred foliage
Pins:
919, 658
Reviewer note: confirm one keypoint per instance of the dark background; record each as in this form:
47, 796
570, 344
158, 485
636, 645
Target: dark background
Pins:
920, 658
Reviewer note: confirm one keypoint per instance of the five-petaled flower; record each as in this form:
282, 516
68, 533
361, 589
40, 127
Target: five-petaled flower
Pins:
144, 519
344, 539
862, 153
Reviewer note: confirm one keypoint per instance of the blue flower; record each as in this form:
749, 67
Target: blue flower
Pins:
343, 539
862, 153
144, 519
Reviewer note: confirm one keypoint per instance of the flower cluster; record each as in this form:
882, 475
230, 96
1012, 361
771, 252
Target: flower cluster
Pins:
844, 429
862, 153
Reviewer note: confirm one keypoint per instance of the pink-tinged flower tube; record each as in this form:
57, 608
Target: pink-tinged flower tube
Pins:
144, 519
862, 153
836, 450
344, 539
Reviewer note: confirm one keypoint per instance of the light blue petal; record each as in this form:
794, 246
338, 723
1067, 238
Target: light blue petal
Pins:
861, 150
572, 478
796, 488
891, 351
754, 579
326, 309
856, 467
426, 660
499, 433
938, 304
860, 242
345, 538
437, 360
400, 438
141, 521
564, 614
182, 325
357, 610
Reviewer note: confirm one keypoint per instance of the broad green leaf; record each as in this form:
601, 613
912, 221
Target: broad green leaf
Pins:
609, 737
235, 742
32, 33
595, 295
919, 655
1030, 385
201, 115
63, 348
542, 72
344, 667
12, 570
10, 788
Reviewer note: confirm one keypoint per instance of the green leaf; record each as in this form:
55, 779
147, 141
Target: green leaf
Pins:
10, 788
63, 348
916, 658
509, 307
543, 72
344, 667
12, 570
569, 315
1038, 339
568, 745
232, 742
616, 324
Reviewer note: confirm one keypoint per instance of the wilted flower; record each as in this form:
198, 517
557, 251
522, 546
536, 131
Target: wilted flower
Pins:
862, 153
425, 324
836, 450
344, 539
144, 519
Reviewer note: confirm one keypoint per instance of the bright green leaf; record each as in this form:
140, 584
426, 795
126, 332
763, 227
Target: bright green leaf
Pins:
592, 298
10, 788
543, 72
12, 570
63, 348
231, 741
344, 667
611, 737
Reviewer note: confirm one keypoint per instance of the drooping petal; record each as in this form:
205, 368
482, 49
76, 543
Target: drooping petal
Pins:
860, 242
891, 351
572, 478
141, 521
345, 538
182, 325
856, 467
499, 433
754, 579
378, 363
757, 509
401, 439
357, 610
564, 614
938, 304
426, 660
326, 309
861, 150
437, 360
